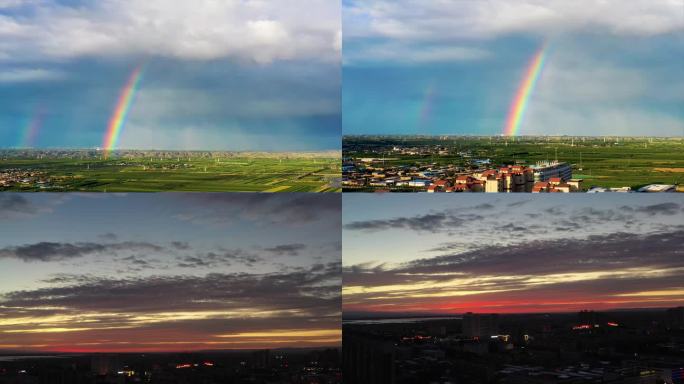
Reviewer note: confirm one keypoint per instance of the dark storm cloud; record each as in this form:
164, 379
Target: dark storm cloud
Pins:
12, 205
618, 250
14, 202
220, 258
431, 222
137, 261
304, 208
66, 278
286, 249
590, 215
286, 209
624, 215
484, 206
314, 291
54, 251
557, 217
449, 221
513, 228
180, 245
668, 209
447, 247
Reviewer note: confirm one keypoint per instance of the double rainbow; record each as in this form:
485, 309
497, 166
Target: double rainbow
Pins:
121, 110
516, 113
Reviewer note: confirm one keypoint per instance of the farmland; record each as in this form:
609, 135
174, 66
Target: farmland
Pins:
152, 171
600, 161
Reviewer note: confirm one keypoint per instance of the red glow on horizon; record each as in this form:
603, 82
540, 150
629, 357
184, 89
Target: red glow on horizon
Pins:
529, 305
132, 348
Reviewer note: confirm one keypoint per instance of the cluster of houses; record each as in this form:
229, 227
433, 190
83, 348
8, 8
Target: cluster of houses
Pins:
22, 177
541, 177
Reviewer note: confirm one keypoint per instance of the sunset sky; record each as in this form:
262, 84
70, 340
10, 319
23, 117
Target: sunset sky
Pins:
216, 75
169, 272
420, 253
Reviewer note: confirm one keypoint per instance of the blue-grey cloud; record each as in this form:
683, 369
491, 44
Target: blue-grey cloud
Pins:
229, 75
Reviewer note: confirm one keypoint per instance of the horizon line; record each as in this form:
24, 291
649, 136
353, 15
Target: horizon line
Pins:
499, 135
388, 315
169, 149
43, 351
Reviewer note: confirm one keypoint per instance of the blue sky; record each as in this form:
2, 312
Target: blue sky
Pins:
169, 272
235, 74
453, 67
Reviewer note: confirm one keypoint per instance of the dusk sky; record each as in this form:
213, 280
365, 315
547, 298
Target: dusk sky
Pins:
220, 75
612, 67
169, 272
420, 253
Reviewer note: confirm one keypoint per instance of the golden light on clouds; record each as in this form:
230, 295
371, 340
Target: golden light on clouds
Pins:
290, 333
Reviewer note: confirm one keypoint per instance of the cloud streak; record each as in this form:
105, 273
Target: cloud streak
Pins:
416, 20
54, 251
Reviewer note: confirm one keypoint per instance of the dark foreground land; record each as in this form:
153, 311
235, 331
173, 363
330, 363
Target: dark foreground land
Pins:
640, 346
232, 367
611, 162
152, 171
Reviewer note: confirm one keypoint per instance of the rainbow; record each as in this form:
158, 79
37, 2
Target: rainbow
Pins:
522, 96
30, 130
123, 106
427, 105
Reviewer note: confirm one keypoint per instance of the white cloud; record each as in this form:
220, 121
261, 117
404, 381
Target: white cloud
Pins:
408, 54
261, 31
449, 19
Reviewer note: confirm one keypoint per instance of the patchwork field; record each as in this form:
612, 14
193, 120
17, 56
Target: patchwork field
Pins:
189, 172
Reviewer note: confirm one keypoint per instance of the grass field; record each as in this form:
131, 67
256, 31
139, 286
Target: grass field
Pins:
606, 162
235, 174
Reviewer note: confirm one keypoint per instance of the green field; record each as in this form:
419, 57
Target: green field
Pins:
605, 162
234, 174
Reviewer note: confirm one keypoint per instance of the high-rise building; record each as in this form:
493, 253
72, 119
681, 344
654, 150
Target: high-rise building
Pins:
675, 318
367, 360
543, 171
480, 325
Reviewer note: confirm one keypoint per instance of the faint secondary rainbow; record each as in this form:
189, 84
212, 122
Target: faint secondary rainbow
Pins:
30, 131
123, 106
516, 113
427, 105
